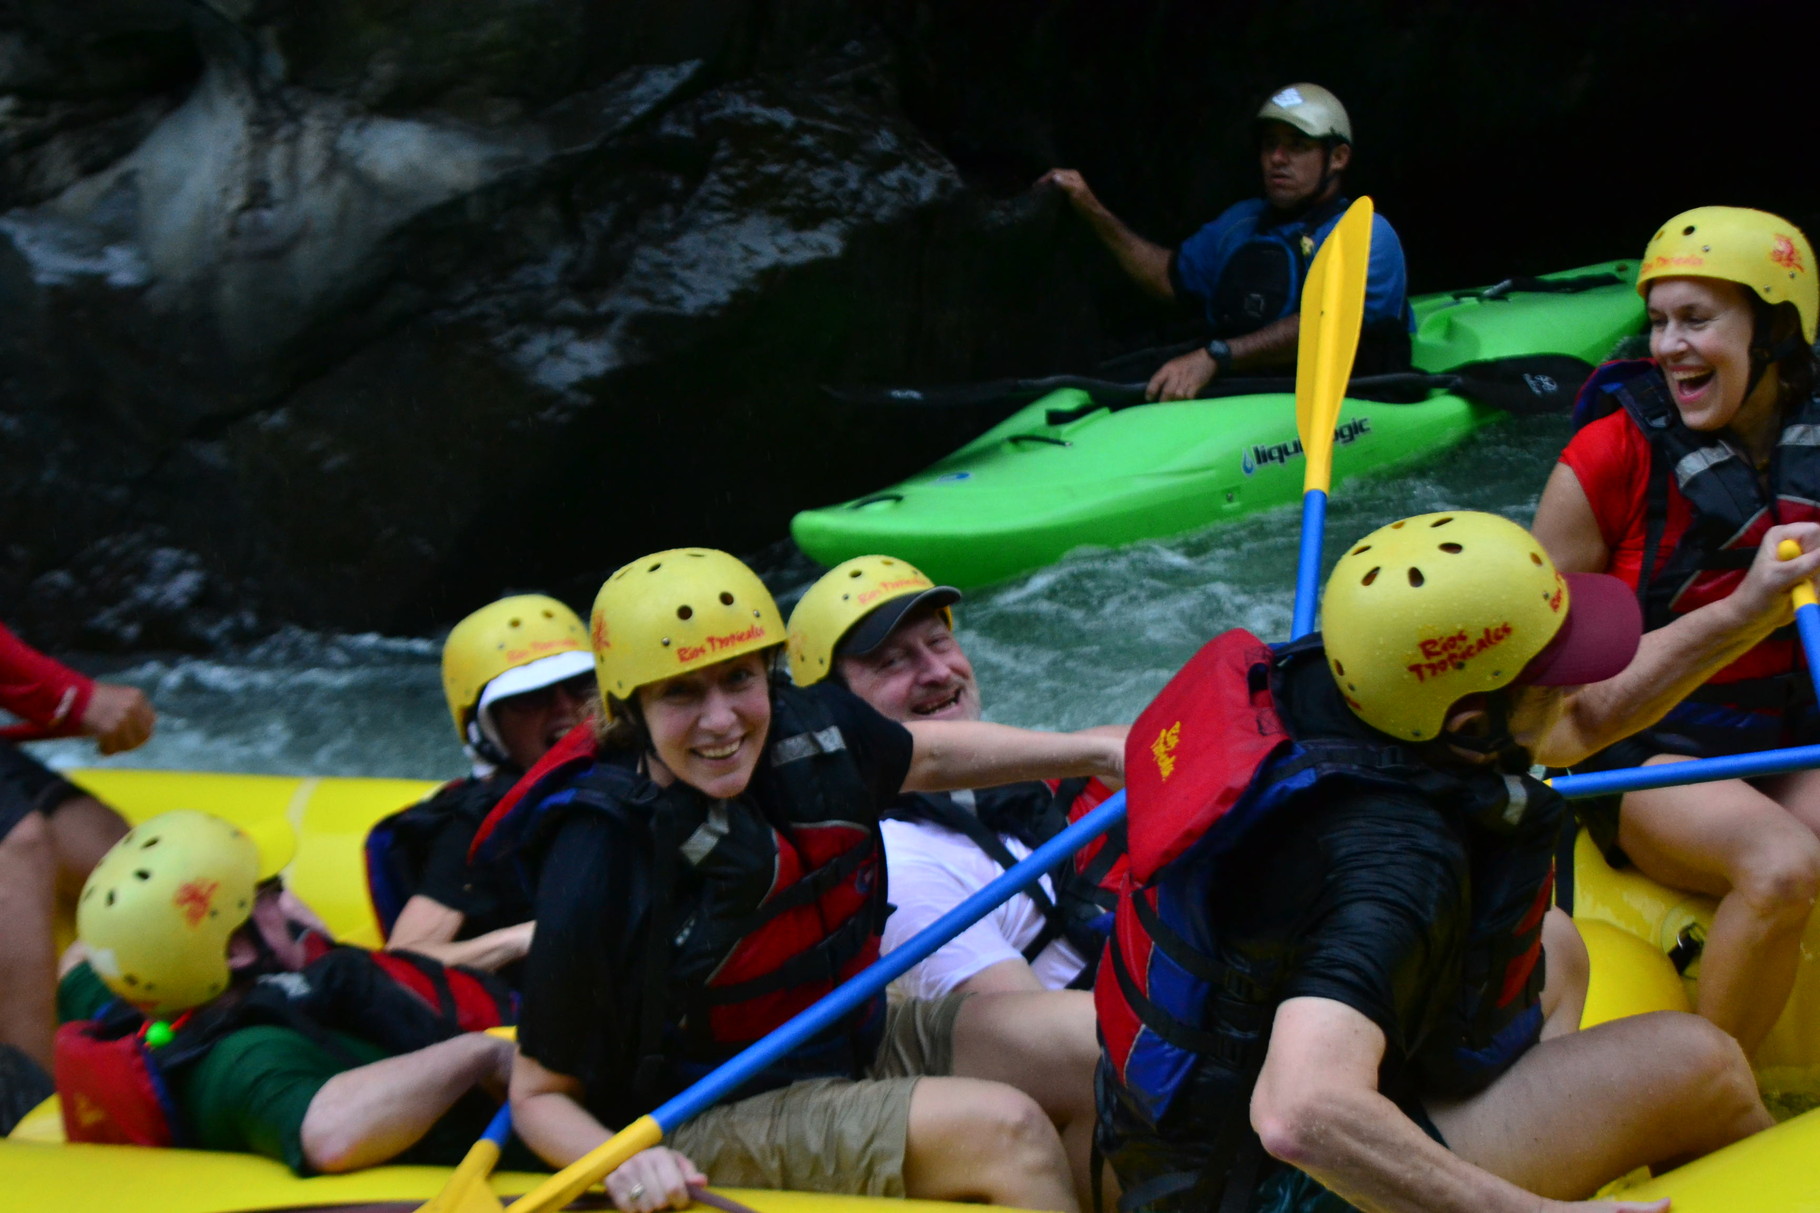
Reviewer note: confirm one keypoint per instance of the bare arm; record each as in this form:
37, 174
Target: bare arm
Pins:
1317, 1107
427, 927
547, 1113
1145, 263
1567, 527
367, 1115
1013, 976
952, 754
1673, 660
1184, 377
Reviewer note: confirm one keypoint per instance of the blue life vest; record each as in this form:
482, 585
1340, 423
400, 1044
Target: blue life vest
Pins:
1183, 1004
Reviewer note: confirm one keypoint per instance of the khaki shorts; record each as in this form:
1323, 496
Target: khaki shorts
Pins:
830, 1134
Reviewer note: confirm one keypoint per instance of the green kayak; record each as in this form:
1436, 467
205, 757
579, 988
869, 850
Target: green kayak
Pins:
1061, 473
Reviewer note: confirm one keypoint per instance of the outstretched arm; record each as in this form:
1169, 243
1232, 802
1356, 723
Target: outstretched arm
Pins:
1674, 660
1146, 264
953, 754
365, 1116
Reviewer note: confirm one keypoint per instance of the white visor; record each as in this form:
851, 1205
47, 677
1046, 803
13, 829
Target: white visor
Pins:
536, 675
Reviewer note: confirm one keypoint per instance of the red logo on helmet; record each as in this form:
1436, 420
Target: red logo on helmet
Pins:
196, 898
1786, 255
599, 633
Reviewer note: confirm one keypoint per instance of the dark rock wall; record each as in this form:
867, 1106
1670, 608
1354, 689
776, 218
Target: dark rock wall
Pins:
355, 313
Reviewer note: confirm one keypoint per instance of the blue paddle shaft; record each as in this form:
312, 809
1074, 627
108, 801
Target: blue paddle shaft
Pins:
1704, 770
1807, 622
499, 1129
1308, 563
848, 996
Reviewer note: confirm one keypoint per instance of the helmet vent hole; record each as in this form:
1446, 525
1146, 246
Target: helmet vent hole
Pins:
1339, 668
1453, 549
1415, 578
110, 897
130, 979
149, 842
1440, 522
684, 612
726, 599
1370, 577
1398, 524
655, 567
855, 573
1688, 230
141, 874
1361, 549
1535, 558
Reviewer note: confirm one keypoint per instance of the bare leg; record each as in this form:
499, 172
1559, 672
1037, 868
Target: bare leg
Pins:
1569, 970
983, 1141
1732, 841
28, 974
1576, 1112
82, 830
1044, 1044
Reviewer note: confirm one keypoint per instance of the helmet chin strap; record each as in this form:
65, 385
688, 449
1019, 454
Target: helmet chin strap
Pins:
1496, 743
1762, 358
482, 747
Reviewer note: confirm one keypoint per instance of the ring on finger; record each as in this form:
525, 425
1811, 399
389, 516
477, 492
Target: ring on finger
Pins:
635, 1192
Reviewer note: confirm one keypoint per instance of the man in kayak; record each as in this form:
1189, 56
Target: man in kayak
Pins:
211, 1011
51, 831
1244, 271
883, 630
1330, 966
517, 674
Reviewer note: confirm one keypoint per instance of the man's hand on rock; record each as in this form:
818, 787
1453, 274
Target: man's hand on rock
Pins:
1071, 183
119, 718
1182, 378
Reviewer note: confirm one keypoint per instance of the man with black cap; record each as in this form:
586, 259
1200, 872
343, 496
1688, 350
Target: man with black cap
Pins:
1332, 982
884, 630
1244, 270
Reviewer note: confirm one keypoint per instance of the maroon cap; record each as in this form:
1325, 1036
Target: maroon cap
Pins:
1596, 641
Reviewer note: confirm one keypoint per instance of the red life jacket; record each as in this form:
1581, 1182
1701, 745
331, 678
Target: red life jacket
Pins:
115, 1089
792, 870
1688, 567
1178, 998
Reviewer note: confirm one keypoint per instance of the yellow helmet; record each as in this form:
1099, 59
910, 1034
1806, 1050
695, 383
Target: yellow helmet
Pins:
1424, 612
1759, 251
848, 593
518, 644
675, 611
1309, 108
157, 910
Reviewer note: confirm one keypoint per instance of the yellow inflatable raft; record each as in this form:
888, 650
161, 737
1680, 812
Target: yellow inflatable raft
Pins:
1628, 921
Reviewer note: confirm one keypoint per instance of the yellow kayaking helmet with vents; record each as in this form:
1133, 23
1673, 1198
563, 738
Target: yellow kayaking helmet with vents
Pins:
675, 611
522, 643
855, 590
1426, 611
1763, 253
157, 911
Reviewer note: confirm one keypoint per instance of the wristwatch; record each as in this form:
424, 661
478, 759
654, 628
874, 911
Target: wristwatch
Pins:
1221, 353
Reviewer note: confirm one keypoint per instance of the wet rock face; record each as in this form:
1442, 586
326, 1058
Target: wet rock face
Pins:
358, 313
391, 307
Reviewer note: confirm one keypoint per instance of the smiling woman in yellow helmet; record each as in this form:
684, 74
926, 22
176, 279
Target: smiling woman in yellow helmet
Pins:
518, 675
708, 867
1681, 464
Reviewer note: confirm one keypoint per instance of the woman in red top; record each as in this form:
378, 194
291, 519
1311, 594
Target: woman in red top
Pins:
1700, 450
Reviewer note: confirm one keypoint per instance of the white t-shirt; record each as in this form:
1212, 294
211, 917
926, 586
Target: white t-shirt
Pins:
932, 869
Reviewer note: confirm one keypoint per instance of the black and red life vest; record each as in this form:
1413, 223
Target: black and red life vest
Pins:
762, 904
1731, 509
115, 1088
1185, 1004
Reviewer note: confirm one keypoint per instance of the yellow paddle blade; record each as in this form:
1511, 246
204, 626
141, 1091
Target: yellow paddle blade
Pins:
582, 1174
1333, 308
467, 1190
